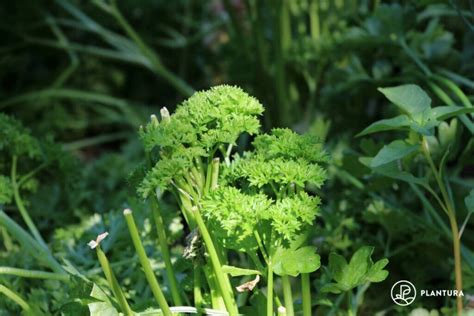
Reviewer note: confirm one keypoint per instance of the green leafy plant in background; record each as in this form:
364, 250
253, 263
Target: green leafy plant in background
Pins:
430, 143
360, 270
296, 47
25, 157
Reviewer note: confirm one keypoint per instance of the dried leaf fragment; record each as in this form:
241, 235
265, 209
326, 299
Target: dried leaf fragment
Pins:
248, 286
94, 243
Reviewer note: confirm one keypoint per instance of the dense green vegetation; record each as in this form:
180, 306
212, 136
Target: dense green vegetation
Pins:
327, 154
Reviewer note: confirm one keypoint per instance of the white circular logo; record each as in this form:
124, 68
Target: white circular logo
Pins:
403, 293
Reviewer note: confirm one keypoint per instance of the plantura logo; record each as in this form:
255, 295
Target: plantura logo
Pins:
403, 293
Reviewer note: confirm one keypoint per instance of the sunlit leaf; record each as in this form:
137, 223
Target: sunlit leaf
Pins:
410, 98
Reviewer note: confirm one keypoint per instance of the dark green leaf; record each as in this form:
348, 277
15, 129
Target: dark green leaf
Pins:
444, 112
398, 122
394, 151
358, 271
409, 98
357, 267
391, 170
337, 266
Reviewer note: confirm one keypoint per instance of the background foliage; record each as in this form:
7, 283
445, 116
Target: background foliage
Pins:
82, 76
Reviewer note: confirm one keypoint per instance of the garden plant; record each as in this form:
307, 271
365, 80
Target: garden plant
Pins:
237, 157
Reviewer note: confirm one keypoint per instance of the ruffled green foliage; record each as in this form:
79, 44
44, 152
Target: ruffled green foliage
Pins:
6, 192
257, 200
235, 216
259, 172
47, 177
282, 158
200, 126
281, 165
290, 214
165, 170
16, 140
284, 143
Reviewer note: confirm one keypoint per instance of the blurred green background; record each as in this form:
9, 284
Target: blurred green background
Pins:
87, 74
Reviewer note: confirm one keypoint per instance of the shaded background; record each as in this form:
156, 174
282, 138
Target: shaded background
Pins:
87, 74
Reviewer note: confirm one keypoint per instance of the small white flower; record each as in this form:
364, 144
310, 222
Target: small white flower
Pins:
94, 243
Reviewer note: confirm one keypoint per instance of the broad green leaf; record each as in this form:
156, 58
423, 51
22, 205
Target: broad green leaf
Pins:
398, 122
293, 262
104, 306
99, 294
391, 170
394, 151
469, 200
357, 267
409, 98
102, 309
294, 265
444, 112
358, 271
235, 271
425, 128
337, 266
376, 272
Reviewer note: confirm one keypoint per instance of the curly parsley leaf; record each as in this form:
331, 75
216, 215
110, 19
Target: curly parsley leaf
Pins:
284, 143
200, 125
234, 216
6, 192
16, 139
290, 215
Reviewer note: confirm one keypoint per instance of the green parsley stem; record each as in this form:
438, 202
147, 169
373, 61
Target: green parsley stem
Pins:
306, 294
35, 249
21, 207
113, 283
287, 295
216, 296
15, 297
222, 279
145, 263
270, 290
215, 172
165, 253
33, 274
198, 301
453, 223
